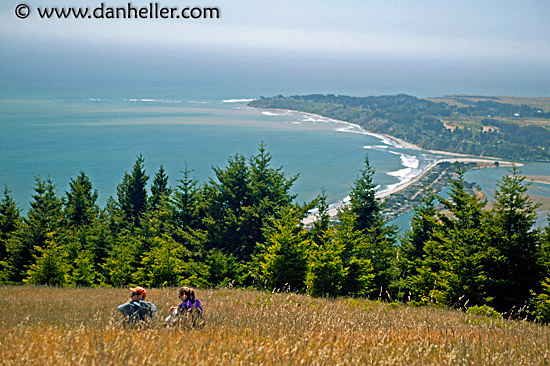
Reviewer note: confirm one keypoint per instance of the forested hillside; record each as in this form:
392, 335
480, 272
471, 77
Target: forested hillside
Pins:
492, 129
243, 228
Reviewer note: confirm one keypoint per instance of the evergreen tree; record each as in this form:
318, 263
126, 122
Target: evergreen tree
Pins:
44, 218
283, 261
380, 238
541, 296
411, 251
238, 205
322, 222
186, 201
224, 204
10, 223
100, 239
132, 193
163, 265
543, 253
123, 261
49, 266
541, 302
269, 191
223, 268
160, 188
452, 271
363, 202
356, 256
80, 206
269, 185
326, 272
83, 271
380, 245
513, 266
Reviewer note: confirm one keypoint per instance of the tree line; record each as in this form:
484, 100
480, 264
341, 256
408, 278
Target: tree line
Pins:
243, 227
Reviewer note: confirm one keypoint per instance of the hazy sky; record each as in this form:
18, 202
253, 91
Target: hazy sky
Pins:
511, 35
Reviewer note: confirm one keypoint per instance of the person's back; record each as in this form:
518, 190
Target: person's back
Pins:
137, 311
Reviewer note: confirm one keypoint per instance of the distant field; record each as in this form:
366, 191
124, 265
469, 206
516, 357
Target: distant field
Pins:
538, 102
52, 326
475, 122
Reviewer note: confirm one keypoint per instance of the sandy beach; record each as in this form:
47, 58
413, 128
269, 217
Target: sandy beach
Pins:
333, 212
394, 141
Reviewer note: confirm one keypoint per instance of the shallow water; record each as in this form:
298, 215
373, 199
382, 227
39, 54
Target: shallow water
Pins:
60, 137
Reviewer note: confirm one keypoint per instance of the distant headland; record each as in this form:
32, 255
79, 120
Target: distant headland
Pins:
511, 128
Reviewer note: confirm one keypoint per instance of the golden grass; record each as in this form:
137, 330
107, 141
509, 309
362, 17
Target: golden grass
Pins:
474, 123
51, 326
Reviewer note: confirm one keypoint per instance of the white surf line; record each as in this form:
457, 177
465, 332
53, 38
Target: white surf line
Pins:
333, 212
393, 141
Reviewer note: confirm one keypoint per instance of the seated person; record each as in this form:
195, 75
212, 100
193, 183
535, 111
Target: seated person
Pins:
190, 310
137, 311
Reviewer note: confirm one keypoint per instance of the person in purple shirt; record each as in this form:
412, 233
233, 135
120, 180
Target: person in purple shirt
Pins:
189, 311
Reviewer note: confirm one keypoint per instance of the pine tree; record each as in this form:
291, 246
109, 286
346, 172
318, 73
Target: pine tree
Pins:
10, 224
541, 302
356, 256
224, 204
269, 190
543, 253
513, 267
283, 261
380, 238
49, 265
44, 218
163, 265
363, 201
132, 193
452, 271
159, 189
241, 201
412, 249
223, 268
321, 224
326, 272
83, 271
186, 201
80, 207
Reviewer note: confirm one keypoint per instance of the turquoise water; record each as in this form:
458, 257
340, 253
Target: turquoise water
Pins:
57, 138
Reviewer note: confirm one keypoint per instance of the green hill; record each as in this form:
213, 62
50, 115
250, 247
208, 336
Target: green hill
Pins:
475, 125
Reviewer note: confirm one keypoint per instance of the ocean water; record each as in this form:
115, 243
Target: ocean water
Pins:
57, 130
59, 137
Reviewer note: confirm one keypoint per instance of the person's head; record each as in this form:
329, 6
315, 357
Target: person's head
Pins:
186, 293
138, 293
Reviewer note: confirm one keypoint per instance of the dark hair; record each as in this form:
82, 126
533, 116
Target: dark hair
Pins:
188, 292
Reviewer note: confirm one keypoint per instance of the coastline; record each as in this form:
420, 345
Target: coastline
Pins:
399, 143
446, 157
333, 211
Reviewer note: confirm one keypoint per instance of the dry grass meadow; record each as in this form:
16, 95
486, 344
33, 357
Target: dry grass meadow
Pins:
81, 326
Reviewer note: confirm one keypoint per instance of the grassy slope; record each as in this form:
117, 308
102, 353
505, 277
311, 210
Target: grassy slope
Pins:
81, 326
